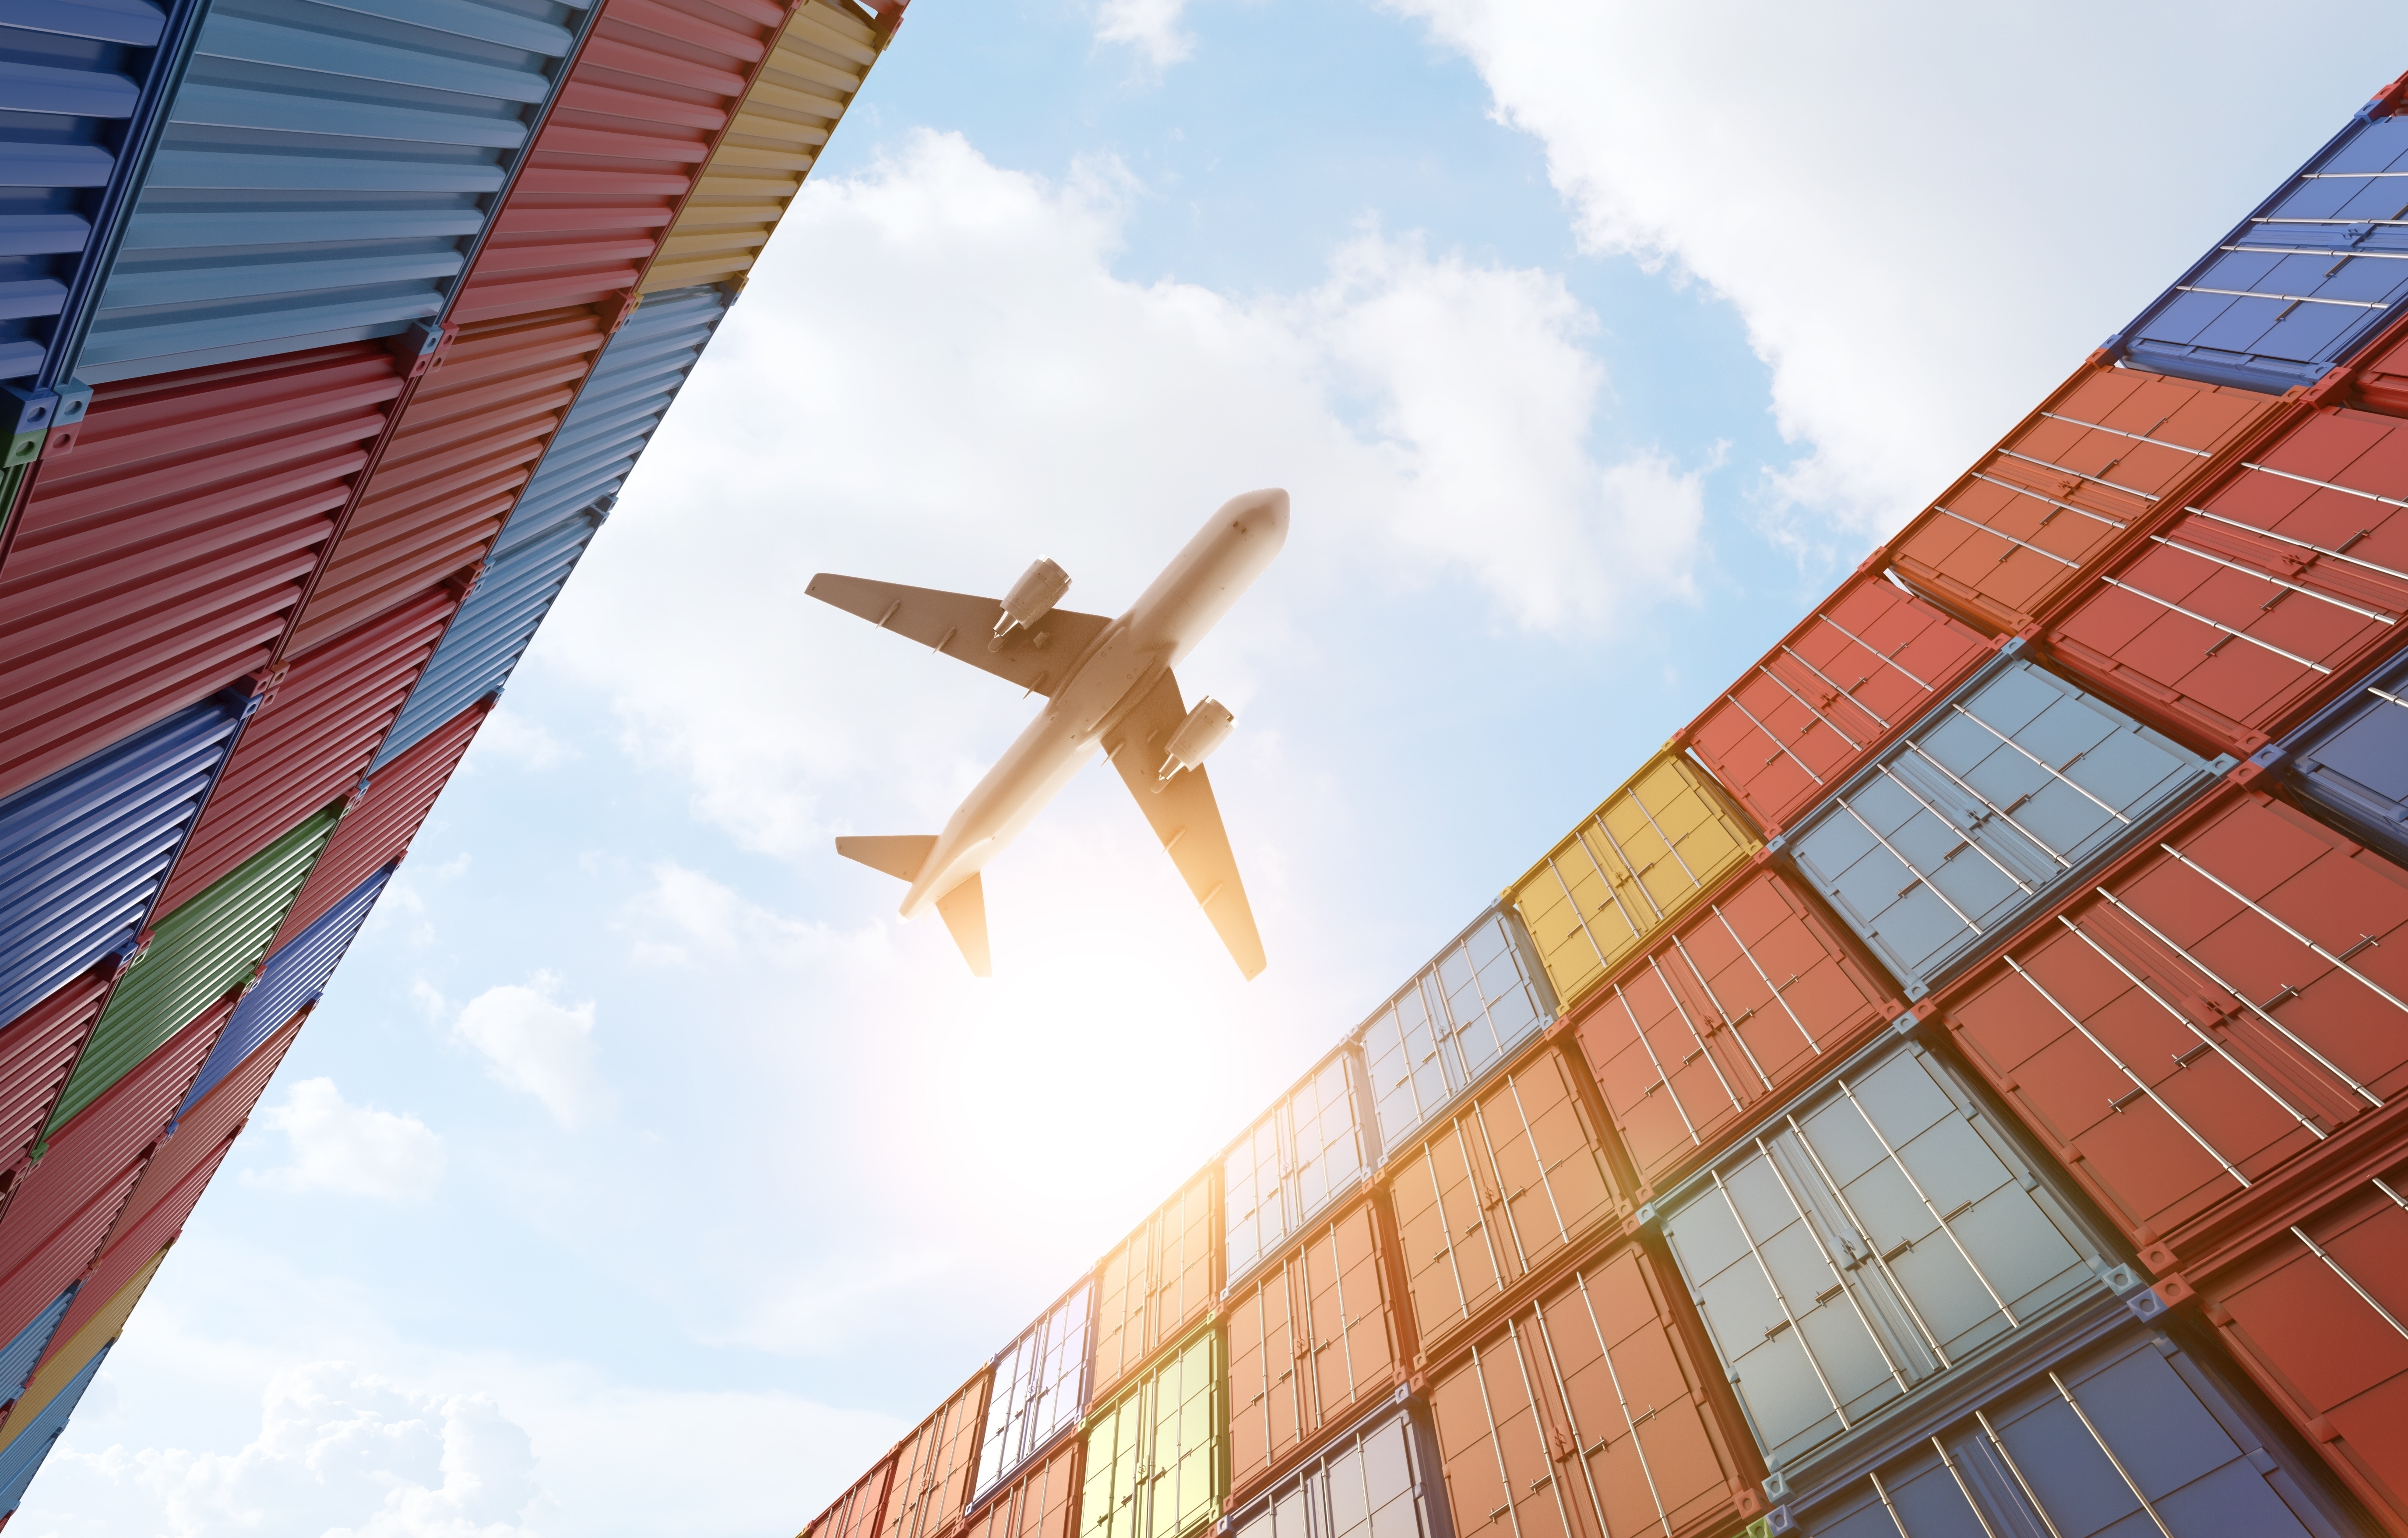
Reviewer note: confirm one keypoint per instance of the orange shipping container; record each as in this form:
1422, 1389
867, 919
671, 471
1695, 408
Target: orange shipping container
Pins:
933, 1465
856, 1512
1158, 1282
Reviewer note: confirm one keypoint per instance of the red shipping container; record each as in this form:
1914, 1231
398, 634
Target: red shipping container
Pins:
137, 1242
2379, 383
1043, 1502
1752, 996
2249, 607
2216, 1007
2106, 448
1858, 671
467, 440
857, 1511
935, 1464
38, 1050
1494, 1192
161, 560
38, 1277
309, 743
1594, 1412
1315, 1341
378, 828
1159, 1282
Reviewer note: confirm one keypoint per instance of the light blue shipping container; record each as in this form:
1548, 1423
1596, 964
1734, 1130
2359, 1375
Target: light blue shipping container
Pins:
1041, 1387
20, 1357
1441, 1034
22, 1460
566, 499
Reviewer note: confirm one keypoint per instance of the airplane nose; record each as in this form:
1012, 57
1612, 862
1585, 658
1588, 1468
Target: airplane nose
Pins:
1263, 512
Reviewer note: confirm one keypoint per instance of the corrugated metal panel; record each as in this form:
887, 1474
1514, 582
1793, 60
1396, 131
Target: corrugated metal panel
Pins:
311, 739
22, 1460
1454, 1023
1311, 1342
38, 1049
1158, 1282
71, 1352
1653, 848
856, 1512
161, 560
2306, 279
1882, 1234
1593, 1413
819, 61
1041, 1387
197, 953
2352, 759
1746, 1002
1042, 1502
1157, 1458
21, 1355
2211, 1011
2101, 451
143, 1230
322, 175
380, 821
933, 1465
2011, 789
1304, 1153
2238, 615
1854, 673
1380, 1480
294, 977
27, 1287
1500, 1189
466, 443
84, 854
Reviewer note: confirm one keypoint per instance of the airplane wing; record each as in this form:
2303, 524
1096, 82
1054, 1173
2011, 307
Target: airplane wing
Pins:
1186, 819
959, 624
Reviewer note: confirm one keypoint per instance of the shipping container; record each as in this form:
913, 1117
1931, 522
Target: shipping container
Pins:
1752, 998
1508, 1181
2248, 608
84, 852
1879, 1236
310, 740
819, 62
1653, 848
37, 1051
1381, 1479
2104, 450
292, 981
1157, 1462
2135, 1433
935, 1464
1307, 1151
22, 1459
2008, 792
1593, 1412
2351, 760
1455, 1022
70, 1354
195, 954
38, 1276
23, 1354
2378, 381
323, 175
2313, 274
1041, 1387
2318, 1316
856, 1512
2210, 1011
1158, 1282
161, 561
1041, 1502
1858, 671
1314, 1342
384, 818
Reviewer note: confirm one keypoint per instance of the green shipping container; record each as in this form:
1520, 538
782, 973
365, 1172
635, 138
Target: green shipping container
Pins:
197, 952
1158, 1456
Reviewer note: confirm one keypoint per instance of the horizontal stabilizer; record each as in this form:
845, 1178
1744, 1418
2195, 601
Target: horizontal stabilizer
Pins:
964, 909
960, 625
899, 854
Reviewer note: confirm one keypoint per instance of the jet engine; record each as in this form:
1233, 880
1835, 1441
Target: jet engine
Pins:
1206, 726
1031, 599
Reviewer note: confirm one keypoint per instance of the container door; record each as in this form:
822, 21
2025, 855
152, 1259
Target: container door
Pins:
1374, 1487
1667, 1090
1121, 1296
1111, 1504
2354, 759
1454, 1258
1186, 1458
1412, 1069
1327, 1137
1251, 1181
1186, 1233
1550, 1178
1352, 1340
1498, 1448
1490, 1000
858, 1514
1266, 1393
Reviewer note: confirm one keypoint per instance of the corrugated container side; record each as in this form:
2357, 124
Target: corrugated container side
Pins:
1041, 1387
1307, 1151
2104, 450
935, 1464
22, 1460
2244, 611
2011, 789
382, 820
2307, 279
312, 739
196, 954
2351, 760
294, 977
819, 62
1455, 1022
70, 1354
1158, 1282
2378, 381
1512, 1179
2210, 1011
36, 1052
1748, 1000
1043, 1502
1855, 673
84, 852
21, 1355
1594, 1412
161, 559
856, 1512
29, 1285
1637, 864
1382, 1479
322, 175
467, 440
1157, 1461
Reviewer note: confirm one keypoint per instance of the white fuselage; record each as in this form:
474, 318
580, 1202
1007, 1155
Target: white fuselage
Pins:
1164, 624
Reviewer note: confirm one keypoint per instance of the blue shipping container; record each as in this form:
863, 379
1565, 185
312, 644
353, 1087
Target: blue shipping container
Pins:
22, 1460
2351, 759
84, 852
2309, 278
2010, 790
19, 1358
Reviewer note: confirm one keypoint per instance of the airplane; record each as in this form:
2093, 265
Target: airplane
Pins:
1108, 685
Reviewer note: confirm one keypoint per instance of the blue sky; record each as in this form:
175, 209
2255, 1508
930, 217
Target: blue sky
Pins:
641, 1173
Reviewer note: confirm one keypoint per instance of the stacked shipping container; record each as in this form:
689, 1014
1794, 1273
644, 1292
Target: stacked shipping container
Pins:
1956, 1086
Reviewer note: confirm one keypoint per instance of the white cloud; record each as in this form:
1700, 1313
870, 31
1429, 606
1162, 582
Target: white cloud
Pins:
512, 737
1149, 27
531, 1041
351, 1150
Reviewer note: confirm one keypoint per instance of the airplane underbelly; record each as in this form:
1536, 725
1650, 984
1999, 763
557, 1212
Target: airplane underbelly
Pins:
1029, 775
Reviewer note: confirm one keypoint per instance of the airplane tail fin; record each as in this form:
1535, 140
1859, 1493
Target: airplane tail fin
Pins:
964, 909
899, 856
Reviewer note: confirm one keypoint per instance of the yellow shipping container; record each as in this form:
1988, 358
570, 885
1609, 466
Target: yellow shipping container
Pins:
1638, 863
1158, 1456
72, 1358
